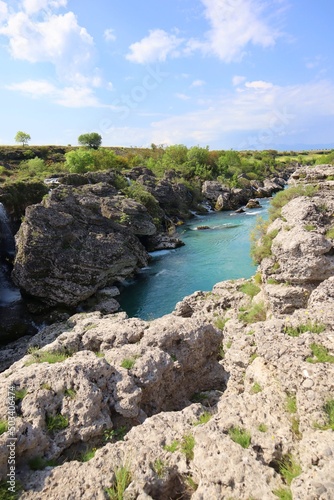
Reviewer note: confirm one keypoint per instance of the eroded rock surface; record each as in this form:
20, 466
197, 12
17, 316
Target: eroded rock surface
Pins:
214, 397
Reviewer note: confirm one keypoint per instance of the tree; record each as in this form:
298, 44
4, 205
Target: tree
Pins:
22, 137
92, 140
79, 161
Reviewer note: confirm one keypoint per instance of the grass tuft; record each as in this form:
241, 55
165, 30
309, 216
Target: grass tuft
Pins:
3, 426
291, 404
240, 436
221, 322
255, 314
159, 467
329, 411
173, 447
187, 446
250, 289
320, 354
263, 428
56, 423
48, 357
289, 468
295, 331
121, 482
283, 494
256, 388
204, 418
128, 363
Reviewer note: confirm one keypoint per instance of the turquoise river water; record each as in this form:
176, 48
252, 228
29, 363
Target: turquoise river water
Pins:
209, 256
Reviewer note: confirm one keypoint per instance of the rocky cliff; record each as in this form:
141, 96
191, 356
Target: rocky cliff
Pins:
83, 236
230, 396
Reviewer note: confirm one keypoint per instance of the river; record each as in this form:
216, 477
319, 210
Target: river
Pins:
209, 256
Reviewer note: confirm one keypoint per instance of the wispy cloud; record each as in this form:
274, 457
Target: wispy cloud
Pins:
70, 97
157, 46
238, 79
109, 35
197, 83
275, 109
183, 97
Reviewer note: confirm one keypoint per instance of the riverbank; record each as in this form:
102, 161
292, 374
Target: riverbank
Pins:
231, 395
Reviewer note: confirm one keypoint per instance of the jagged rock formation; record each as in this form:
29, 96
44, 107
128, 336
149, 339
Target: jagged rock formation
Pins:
83, 237
231, 396
224, 198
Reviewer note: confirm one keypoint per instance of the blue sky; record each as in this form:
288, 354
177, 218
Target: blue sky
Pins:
241, 74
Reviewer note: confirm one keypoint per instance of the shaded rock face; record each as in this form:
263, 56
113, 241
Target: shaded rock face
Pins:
302, 257
224, 198
77, 241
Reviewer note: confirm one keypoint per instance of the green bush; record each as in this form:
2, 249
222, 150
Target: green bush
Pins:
261, 241
289, 468
79, 161
283, 197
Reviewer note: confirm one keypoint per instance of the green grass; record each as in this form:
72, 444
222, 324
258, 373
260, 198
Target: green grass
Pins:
295, 428
173, 447
87, 455
240, 436
187, 446
128, 363
70, 393
289, 468
20, 394
291, 404
39, 463
56, 423
283, 494
329, 411
283, 197
221, 352
250, 289
100, 354
47, 357
262, 428
191, 484
295, 331
253, 356
256, 388
256, 313
272, 281
115, 434
121, 482
330, 233
261, 241
5, 494
309, 227
159, 467
221, 322
204, 418
320, 354
258, 279
3, 426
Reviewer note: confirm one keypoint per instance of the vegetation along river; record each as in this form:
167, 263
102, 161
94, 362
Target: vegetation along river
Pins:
209, 256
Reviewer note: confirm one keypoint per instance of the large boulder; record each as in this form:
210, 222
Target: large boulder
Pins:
79, 239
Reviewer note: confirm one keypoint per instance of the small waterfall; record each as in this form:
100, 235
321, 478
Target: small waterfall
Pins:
9, 294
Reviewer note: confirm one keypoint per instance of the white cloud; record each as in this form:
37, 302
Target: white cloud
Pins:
272, 113
237, 80
33, 6
183, 97
259, 85
70, 97
157, 46
198, 83
47, 37
3, 11
234, 24
109, 35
